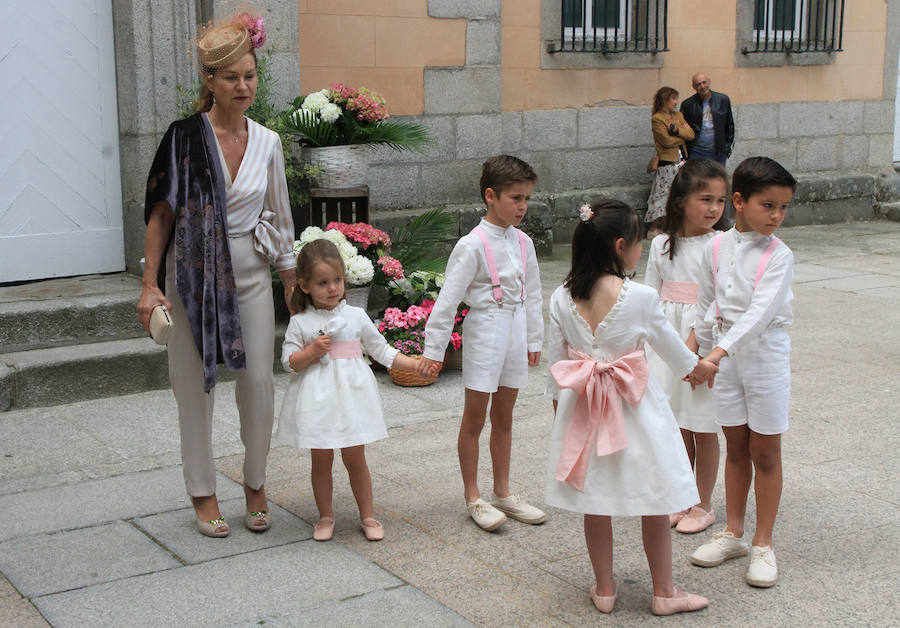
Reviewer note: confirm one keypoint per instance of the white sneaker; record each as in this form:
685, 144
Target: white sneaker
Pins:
485, 515
762, 572
721, 547
517, 508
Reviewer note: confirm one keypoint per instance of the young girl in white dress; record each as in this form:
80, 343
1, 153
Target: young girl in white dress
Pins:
693, 215
332, 400
615, 448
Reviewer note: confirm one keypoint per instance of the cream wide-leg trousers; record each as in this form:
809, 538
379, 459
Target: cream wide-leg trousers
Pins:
255, 390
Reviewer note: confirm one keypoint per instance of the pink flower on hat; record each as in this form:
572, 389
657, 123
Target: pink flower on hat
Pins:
254, 26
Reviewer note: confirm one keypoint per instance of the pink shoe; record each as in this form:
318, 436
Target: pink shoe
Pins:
697, 520
604, 604
372, 528
681, 602
675, 517
324, 529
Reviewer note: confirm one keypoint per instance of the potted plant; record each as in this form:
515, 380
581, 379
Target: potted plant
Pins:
405, 330
337, 125
360, 270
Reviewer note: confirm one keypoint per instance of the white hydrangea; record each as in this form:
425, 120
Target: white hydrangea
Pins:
309, 234
405, 286
335, 236
330, 112
347, 251
315, 101
359, 271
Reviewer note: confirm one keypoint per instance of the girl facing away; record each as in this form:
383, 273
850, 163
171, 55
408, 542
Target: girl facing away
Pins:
615, 448
694, 213
332, 400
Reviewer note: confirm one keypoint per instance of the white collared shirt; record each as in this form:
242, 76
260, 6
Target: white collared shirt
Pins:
746, 311
468, 280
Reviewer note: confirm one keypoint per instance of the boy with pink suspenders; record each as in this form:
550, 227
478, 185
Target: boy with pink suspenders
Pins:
494, 271
745, 294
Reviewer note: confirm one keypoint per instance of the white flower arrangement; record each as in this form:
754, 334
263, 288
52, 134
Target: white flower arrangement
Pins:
330, 112
316, 101
360, 270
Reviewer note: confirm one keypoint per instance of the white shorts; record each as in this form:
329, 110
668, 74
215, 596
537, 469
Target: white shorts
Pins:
495, 351
754, 387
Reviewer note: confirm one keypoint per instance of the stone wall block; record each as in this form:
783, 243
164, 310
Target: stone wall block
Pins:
7, 382
464, 8
479, 136
818, 153
878, 117
854, 151
813, 119
614, 126
550, 129
784, 151
601, 167
483, 42
442, 130
284, 68
392, 186
852, 185
881, 150
451, 182
755, 122
853, 113
512, 131
812, 189
462, 90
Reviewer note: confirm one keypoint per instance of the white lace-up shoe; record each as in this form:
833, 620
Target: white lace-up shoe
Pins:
485, 515
762, 572
721, 547
517, 508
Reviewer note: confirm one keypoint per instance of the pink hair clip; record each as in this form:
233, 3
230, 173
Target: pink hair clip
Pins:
585, 212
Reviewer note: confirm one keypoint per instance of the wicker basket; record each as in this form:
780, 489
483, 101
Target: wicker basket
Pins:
410, 378
453, 360
358, 296
344, 166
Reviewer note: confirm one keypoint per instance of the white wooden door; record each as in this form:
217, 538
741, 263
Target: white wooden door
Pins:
60, 189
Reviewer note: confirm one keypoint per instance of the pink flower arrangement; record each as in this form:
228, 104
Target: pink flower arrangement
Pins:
361, 234
405, 330
391, 267
369, 106
254, 26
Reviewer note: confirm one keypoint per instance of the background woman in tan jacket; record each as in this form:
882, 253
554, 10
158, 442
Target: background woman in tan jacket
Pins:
670, 134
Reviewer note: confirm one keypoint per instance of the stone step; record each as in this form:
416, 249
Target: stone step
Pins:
65, 374
71, 311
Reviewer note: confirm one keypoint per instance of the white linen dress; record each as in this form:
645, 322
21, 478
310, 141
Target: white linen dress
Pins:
694, 410
652, 475
336, 404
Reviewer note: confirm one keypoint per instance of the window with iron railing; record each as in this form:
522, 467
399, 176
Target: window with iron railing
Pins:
611, 26
796, 26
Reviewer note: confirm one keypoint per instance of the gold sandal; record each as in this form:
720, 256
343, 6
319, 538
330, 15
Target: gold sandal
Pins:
252, 520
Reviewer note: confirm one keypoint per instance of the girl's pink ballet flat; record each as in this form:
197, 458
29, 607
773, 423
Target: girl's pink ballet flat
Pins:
372, 529
324, 529
603, 603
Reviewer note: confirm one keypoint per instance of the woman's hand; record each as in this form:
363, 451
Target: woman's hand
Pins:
151, 298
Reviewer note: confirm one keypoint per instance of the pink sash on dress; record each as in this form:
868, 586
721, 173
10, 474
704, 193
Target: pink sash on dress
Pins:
598, 411
679, 291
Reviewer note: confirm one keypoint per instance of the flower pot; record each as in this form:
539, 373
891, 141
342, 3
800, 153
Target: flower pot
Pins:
358, 296
344, 166
410, 378
453, 360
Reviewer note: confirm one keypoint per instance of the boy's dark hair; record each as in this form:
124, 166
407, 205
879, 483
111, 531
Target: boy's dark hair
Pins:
312, 253
661, 96
692, 177
754, 174
501, 171
594, 245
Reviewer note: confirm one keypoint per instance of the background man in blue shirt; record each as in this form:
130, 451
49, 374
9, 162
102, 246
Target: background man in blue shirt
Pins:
709, 114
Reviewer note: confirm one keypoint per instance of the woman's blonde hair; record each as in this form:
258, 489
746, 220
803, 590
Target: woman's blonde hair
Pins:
317, 251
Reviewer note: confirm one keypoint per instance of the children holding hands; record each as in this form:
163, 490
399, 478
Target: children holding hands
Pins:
332, 400
745, 293
494, 271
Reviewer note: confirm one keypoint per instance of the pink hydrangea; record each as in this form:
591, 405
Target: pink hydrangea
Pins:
368, 105
456, 341
361, 233
416, 314
427, 305
391, 267
340, 93
395, 318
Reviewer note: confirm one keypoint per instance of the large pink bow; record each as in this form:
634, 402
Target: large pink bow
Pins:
598, 411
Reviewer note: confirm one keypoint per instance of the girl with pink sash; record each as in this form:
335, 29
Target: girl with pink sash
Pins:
616, 449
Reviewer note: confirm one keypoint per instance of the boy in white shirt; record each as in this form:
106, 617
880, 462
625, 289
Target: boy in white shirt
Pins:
746, 295
494, 270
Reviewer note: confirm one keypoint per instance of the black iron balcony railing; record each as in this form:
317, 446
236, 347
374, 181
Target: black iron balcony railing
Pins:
610, 26
797, 26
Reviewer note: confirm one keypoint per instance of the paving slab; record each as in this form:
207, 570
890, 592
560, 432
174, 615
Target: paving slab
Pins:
78, 558
91, 503
236, 590
176, 531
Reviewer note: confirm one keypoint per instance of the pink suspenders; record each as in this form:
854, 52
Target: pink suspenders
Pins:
760, 268
492, 264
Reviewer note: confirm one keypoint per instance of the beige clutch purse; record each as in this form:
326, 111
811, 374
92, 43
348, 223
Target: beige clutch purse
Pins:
160, 324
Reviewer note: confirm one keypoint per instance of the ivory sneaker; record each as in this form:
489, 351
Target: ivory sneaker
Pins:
721, 547
517, 508
485, 515
762, 572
